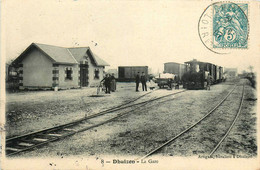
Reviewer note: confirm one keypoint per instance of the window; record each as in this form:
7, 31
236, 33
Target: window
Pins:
55, 71
68, 73
96, 74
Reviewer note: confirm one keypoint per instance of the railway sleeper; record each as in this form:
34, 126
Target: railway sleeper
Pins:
40, 139
25, 144
12, 149
68, 129
55, 134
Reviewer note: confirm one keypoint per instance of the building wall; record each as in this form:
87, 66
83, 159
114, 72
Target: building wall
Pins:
65, 83
92, 80
37, 70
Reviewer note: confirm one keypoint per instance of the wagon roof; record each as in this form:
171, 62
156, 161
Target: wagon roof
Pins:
196, 61
133, 66
173, 63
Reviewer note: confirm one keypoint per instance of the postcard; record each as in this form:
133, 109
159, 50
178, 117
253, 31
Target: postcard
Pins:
89, 84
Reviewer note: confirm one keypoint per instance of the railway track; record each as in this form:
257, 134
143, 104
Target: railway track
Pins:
198, 122
131, 101
29, 141
231, 126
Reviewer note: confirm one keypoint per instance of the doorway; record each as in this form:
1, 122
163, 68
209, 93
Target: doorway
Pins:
84, 78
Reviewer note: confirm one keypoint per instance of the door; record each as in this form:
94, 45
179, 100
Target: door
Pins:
84, 75
121, 73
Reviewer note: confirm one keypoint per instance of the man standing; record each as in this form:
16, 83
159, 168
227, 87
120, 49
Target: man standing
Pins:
113, 83
169, 81
143, 81
107, 81
208, 82
137, 81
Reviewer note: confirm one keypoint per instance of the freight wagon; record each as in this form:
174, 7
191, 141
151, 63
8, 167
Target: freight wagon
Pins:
175, 68
128, 73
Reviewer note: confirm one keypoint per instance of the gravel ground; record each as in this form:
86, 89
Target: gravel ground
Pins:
242, 139
144, 129
205, 136
30, 111
141, 131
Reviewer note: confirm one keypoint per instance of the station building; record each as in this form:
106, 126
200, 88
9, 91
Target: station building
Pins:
47, 66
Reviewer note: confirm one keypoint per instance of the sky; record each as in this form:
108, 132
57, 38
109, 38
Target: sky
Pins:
123, 33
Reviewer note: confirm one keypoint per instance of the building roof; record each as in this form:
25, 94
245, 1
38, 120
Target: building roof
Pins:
79, 52
63, 55
58, 54
99, 61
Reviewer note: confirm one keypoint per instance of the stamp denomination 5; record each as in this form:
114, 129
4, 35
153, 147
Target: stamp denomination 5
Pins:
223, 26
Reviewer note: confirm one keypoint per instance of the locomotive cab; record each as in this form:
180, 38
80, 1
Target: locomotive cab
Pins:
196, 76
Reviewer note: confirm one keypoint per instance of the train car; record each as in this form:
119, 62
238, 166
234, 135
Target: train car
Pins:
221, 74
175, 68
214, 76
217, 75
199, 73
128, 73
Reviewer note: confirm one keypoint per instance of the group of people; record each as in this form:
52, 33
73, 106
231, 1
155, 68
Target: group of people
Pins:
141, 79
110, 83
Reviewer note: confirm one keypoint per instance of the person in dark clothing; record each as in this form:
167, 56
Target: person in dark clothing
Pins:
113, 83
143, 81
137, 81
107, 81
169, 81
208, 82
177, 81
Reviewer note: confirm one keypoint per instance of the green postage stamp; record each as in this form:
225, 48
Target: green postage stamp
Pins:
230, 25
224, 26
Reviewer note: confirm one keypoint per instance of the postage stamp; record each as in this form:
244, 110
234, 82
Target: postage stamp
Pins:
224, 26
230, 25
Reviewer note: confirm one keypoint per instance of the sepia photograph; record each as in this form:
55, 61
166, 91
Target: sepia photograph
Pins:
89, 84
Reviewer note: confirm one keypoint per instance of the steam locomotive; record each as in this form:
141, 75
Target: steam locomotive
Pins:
199, 73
